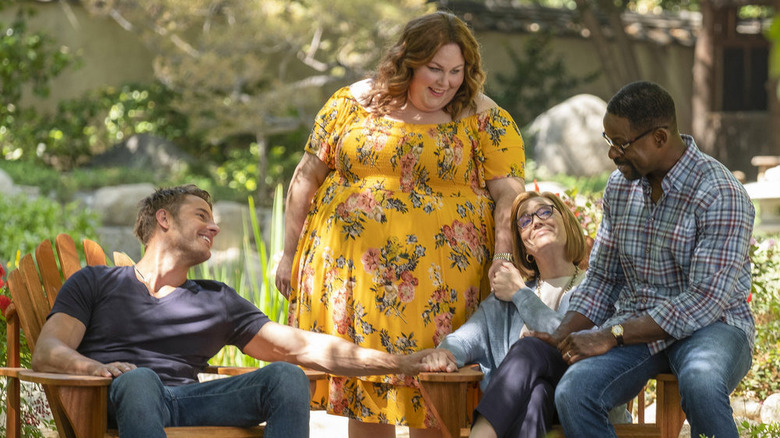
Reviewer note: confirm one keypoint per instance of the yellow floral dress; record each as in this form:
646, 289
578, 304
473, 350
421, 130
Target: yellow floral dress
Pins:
396, 241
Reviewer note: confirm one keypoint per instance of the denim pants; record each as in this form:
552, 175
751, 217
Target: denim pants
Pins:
709, 364
140, 406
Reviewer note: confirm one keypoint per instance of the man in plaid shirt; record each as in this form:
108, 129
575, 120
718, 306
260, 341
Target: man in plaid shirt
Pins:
668, 281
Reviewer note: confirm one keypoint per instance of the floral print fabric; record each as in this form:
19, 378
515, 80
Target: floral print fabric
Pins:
397, 240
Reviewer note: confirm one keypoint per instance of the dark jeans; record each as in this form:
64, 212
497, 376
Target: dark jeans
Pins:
709, 364
519, 399
140, 406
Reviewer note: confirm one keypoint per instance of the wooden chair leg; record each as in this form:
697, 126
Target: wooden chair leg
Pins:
669, 415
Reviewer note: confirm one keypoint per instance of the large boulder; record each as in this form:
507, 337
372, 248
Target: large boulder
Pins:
567, 138
7, 186
145, 151
118, 205
230, 217
770, 410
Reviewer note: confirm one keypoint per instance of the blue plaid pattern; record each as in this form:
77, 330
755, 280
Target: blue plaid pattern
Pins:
684, 261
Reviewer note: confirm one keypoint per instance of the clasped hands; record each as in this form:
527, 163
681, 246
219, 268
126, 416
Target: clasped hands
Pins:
505, 281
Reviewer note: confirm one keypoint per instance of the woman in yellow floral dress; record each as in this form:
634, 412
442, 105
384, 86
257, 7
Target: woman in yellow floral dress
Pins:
399, 212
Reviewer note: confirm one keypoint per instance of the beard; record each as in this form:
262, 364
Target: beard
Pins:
628, 170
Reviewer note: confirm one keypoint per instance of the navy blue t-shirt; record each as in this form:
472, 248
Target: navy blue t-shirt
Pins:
175, 335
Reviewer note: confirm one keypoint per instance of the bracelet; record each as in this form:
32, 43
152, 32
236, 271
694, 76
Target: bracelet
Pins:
504, 256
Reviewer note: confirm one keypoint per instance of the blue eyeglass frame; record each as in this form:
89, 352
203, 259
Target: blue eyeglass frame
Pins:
530, 216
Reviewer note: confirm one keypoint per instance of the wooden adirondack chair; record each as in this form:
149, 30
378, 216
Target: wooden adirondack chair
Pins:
78, 403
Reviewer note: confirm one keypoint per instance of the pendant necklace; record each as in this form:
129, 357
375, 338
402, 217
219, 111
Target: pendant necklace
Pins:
566, 289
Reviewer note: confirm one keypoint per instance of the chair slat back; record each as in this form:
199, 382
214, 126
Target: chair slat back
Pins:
31, 302
93, 253
122, 259
67, 254
50, 273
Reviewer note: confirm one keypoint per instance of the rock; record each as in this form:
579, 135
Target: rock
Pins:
7, 187
747, 408
230, 217
770, 410
145, 151
567, 137
119, 239
118, 205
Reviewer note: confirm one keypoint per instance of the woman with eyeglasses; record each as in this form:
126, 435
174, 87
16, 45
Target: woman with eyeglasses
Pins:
521, 372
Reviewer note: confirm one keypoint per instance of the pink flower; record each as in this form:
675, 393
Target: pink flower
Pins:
370, 260
406, 292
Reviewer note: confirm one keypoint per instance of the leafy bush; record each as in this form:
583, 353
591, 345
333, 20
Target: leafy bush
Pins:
26, 220
763, 378
92, 123
255, 283
27, 59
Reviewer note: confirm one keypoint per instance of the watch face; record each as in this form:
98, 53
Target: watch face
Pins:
617, 330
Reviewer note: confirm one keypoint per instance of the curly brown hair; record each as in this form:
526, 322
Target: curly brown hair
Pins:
169, 199
418, 44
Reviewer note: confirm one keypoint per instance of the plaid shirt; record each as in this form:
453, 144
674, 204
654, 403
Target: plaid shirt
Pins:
683, 261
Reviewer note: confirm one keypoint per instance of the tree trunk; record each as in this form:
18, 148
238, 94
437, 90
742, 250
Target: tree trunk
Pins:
627, 56
600, 43
703, 79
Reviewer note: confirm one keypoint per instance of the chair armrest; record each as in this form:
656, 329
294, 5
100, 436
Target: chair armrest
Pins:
57, 379
313, 375
465, 374
11, 372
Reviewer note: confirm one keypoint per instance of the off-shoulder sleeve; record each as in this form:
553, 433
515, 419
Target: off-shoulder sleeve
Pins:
329, 124
501, 149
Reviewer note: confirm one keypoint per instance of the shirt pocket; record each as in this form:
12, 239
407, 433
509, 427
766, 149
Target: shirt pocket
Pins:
682, 242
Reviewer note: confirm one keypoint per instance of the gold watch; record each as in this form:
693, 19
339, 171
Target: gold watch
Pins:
617, 332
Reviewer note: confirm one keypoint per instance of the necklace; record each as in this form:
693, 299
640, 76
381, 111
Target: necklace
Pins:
566, 289
143, 279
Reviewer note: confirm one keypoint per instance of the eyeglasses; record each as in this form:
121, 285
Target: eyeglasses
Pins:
543, 212
623, 146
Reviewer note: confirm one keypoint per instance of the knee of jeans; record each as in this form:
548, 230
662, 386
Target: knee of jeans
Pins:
139, 378
292, 382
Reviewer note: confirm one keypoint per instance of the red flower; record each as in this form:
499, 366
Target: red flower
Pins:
2, 274
4, 303
750, 297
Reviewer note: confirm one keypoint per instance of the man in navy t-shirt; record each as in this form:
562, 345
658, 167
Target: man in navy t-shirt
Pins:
153, 330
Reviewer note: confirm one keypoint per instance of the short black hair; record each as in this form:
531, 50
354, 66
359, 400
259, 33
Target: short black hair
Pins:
645, 105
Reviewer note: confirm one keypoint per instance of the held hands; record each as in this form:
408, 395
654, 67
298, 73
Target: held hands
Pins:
113, 369
579, 345
586, 343
506, 281
428, 360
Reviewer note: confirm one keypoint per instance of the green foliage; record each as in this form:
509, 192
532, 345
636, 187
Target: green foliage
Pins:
539, 80
92, 123
762, 430
254, 275
25, 220
764, 376
27, 59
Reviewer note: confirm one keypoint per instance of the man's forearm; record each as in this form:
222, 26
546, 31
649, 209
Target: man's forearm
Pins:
52, 356
572, 322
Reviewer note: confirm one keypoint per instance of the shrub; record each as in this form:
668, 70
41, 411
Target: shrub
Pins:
26, 220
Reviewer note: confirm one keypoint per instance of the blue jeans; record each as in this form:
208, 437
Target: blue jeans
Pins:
140, 406
709, 364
